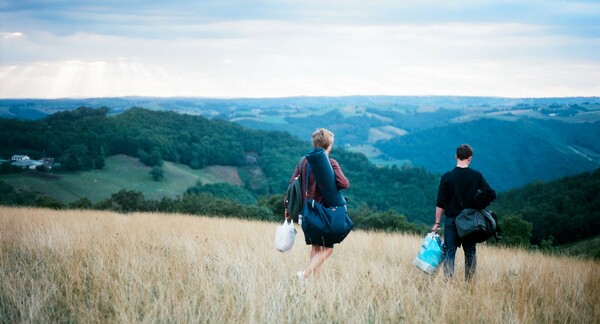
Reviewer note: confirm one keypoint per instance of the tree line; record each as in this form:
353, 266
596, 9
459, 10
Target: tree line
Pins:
203, 202
562, 211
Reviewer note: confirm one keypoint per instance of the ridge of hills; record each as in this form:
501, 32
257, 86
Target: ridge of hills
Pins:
509, 153
530, 139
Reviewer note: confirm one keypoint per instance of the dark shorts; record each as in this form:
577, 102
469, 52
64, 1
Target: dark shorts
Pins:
318, 240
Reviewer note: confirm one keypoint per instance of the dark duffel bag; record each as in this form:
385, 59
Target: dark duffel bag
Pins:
476, 225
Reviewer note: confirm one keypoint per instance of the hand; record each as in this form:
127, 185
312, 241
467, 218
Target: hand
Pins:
286, 214
435, 228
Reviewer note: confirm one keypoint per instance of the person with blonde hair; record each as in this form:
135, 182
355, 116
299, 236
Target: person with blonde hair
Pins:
321, 247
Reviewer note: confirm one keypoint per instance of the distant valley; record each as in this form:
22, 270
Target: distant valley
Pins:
516, 141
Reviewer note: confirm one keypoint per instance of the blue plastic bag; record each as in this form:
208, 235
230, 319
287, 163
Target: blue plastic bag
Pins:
430, 254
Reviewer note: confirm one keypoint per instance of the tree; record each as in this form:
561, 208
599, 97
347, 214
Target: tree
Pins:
83, 203
152, 159
124, 201
157, 173
99, 162
515, 230
274, 203
76, 158
72, 162
390, 221
47, 202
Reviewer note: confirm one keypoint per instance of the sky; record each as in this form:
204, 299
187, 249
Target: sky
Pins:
282, 48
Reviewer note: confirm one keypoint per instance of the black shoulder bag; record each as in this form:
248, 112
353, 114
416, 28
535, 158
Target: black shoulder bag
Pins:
293, 194
474, 225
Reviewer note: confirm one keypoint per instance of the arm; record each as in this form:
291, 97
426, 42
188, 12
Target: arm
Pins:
340, 179
438, 218
486, 187
296, 173
442, 201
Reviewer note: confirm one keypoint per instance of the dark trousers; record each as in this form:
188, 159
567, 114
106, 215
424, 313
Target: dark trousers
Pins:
453, 241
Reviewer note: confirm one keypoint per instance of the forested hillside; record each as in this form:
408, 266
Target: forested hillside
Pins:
81, 139
509, 153
515, 145
561, 211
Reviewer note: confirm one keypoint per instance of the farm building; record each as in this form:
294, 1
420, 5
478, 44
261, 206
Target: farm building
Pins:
18, 157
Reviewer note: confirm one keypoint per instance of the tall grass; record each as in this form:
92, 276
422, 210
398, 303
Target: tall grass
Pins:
92, 266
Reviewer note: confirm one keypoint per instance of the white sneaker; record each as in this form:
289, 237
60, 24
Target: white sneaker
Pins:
300, 275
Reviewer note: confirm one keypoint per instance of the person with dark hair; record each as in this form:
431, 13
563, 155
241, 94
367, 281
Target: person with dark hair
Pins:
456, 192
321, 247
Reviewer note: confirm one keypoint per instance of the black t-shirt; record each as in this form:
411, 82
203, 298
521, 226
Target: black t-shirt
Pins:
468, 181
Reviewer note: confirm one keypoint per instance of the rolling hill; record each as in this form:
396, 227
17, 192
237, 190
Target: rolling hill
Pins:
509, 153
120, 172
553, 133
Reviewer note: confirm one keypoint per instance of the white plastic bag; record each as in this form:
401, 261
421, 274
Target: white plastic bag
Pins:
285, 235
430, 254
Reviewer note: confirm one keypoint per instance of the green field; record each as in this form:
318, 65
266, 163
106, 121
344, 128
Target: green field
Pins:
120, 172
589, 248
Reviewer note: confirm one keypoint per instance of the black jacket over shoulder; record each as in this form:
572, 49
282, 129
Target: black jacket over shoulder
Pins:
468, 181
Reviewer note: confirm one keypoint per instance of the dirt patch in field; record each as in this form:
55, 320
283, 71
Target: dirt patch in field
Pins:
384, 133
226, 173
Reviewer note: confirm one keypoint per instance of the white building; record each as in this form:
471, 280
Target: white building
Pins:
18, 157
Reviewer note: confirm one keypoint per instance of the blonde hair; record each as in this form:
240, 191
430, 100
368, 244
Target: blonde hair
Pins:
322, 138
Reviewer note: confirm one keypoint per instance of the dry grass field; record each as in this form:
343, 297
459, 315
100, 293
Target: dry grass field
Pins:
91, 266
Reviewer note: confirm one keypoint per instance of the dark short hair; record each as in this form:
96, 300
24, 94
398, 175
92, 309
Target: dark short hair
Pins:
464, 152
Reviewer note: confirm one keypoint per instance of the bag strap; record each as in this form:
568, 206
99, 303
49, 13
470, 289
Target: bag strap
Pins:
307, 170
299, 167
312, 201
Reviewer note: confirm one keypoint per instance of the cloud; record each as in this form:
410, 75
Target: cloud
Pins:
9, 35
281, 48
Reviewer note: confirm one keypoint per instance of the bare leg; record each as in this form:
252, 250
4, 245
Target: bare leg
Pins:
318, 255
314, 249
